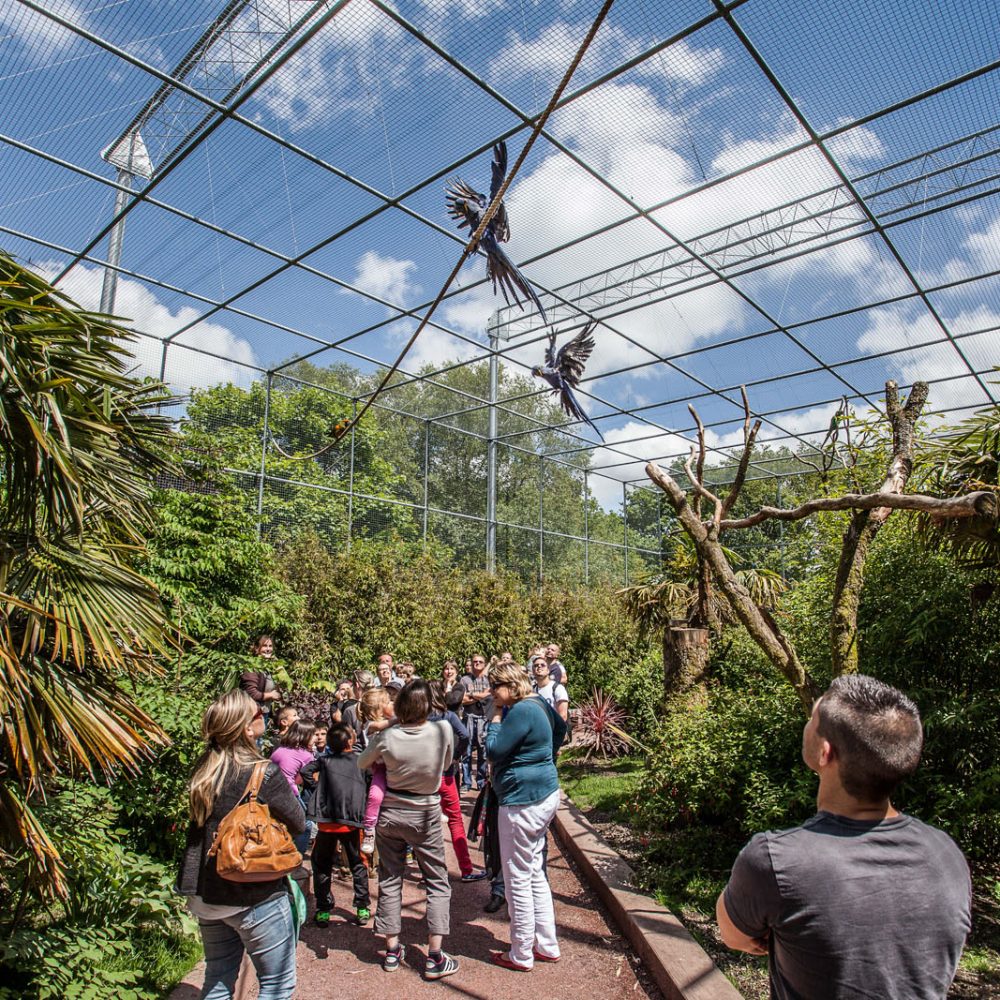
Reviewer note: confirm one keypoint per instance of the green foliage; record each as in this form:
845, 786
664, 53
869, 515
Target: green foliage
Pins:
419, 606
118, 924
80, 440
601, 647
729, 757
153, 803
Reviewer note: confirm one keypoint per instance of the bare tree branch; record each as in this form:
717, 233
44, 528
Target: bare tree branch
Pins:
749, 436
758, 623
981, 504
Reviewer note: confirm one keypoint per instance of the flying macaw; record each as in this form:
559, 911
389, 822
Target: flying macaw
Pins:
563, 370
467, 206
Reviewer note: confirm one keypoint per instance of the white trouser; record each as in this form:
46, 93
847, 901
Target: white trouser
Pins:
529, 898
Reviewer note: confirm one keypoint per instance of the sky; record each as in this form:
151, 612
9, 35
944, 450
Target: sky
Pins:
627, 210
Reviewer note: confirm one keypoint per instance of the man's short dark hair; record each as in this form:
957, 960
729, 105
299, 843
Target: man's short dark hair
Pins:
454, 698
875, 732
338, 737
413, 703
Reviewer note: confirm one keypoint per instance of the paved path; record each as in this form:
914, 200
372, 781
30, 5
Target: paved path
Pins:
342, 961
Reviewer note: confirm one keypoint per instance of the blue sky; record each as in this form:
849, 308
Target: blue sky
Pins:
639, 156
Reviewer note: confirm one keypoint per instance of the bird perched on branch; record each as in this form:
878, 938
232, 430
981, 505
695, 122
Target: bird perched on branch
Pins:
467, 206
563, 370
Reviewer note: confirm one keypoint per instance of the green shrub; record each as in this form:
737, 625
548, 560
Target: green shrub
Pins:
729, 757
109, 937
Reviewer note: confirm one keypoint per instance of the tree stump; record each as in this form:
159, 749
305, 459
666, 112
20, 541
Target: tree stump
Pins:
685, 659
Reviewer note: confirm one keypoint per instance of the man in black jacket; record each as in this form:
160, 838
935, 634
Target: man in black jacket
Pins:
338, 808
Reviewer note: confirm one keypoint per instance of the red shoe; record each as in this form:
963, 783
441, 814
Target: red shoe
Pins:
502, 958
539, 957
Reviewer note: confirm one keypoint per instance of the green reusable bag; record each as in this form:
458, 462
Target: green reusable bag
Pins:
298, 904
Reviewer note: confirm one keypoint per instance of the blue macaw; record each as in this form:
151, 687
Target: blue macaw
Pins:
467, 206
563, 370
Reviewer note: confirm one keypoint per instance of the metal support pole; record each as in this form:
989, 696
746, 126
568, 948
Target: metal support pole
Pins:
427, 466
541, 519
115, 239
625, 526
781, 530
350, 478
491, 447
659, 527
263, 452
586, 528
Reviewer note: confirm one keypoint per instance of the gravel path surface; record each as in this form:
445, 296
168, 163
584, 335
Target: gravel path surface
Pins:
343, 961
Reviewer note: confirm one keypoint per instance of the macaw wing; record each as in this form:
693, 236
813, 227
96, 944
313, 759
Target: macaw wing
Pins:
550, 350
499, 222
465, 204
573, 355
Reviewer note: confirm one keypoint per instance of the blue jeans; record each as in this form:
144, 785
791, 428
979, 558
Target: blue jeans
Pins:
266, 933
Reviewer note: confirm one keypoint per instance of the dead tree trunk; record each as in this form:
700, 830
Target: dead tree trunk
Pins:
685, 659
761, 627
871, 511
865, 525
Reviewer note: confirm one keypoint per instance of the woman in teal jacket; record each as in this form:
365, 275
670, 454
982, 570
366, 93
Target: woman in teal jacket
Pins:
522, 751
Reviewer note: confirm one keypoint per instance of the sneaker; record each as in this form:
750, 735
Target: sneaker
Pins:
393, 959
444, 966
322, 918
474, 876
466, 788
368, 843
495, 902
364, 915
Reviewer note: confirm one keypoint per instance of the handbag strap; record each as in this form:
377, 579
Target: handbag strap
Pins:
256, 780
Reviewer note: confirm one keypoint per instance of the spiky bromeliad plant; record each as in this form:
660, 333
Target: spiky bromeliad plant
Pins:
598, 727
80, 441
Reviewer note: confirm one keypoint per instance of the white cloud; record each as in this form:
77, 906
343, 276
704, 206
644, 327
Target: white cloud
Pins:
625, 135
551, 51
387, 277
42, 37
144, 312
910, 327
683, 63
982, 255
338, 71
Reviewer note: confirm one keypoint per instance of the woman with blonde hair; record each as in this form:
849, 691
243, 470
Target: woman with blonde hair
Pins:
522, 751
234, 917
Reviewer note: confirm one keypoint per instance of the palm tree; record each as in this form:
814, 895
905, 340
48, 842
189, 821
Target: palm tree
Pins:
80, 442
683, 592
968, 458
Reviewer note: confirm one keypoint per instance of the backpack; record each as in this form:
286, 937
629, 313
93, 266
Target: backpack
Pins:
250, 846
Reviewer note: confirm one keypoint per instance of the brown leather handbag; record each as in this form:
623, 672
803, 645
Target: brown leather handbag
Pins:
249, 845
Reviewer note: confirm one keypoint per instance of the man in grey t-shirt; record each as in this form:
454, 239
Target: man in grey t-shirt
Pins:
861, 900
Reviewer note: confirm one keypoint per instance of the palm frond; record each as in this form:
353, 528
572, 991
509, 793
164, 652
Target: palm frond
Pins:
81, 440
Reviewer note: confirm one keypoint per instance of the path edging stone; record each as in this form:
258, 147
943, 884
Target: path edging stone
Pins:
681, 968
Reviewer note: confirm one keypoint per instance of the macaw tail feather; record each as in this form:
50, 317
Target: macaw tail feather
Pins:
505, 274
573, 409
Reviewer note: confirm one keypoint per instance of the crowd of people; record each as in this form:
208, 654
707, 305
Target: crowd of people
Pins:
860, 900
368, 788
